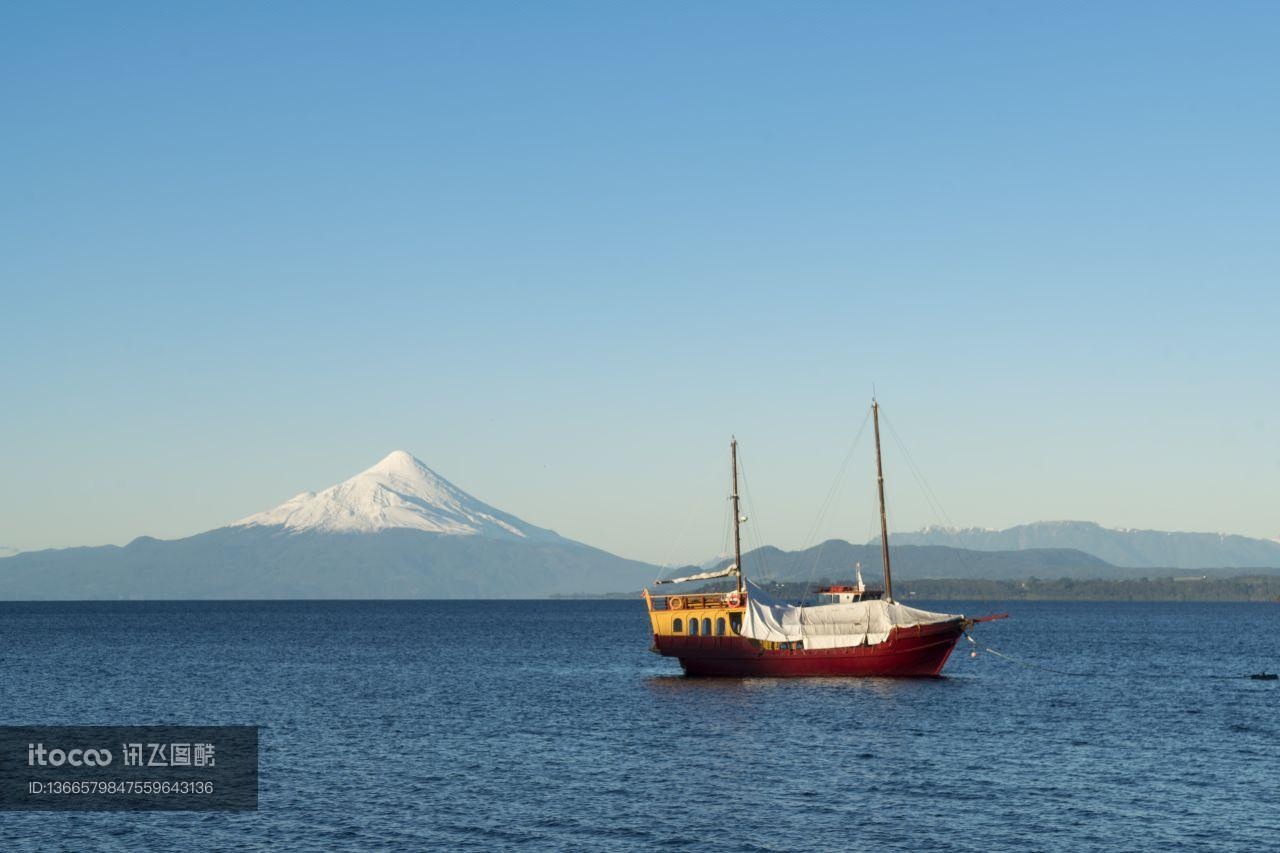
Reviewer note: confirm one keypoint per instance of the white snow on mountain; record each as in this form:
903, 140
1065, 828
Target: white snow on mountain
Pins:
398, 493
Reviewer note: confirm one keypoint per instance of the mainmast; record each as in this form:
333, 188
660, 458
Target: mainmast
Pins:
884, 525
737, 515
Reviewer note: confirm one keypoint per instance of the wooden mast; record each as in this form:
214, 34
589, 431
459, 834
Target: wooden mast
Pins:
737, 515
884, 525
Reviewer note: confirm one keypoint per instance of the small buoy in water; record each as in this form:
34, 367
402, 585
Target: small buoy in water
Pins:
973, 654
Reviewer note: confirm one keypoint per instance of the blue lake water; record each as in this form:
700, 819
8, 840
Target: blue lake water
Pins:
483, 725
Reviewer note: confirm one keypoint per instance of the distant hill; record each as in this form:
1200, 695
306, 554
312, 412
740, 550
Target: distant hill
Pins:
1261, 588
270, 563
396, 530
835, 559
1237, 588
1121, 547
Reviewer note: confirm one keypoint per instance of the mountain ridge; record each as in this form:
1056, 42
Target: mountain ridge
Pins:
1127, 547
834, 560
400, 530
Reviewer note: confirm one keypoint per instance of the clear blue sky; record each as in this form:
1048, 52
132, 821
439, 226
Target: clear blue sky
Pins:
560, 251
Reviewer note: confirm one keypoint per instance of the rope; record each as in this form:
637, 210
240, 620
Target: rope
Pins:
1042, 668
675, 546
727, 540
931, 499
810, 585
693, 515
835, 485
826, 504
1012, 659
752, 521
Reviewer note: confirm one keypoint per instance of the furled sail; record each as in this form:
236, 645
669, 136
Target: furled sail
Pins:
829, 626
703, 576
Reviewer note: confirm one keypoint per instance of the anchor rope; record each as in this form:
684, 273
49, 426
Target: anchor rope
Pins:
1033, 665
1030, 664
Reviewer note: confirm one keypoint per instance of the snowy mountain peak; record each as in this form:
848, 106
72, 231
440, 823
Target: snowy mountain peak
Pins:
401, 462
400, 492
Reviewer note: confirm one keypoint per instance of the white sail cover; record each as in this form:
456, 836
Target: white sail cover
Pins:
829, 626
702, 576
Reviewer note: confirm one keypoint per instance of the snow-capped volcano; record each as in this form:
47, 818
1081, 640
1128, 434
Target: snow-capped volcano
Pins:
398, 493
397, 530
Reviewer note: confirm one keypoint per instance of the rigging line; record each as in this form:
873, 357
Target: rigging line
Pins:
826, 504
872, 535
1125, 675
873, 514
684, 532
728, 530
889, 526
751, 520
835, 485
931, 499
930, 495
727, 538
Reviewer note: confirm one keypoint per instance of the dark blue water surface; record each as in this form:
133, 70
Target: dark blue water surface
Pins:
483, 725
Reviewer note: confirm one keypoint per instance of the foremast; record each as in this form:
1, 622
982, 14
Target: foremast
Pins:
735, 568
884, 525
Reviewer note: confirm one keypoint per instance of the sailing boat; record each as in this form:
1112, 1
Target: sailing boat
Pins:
743, 632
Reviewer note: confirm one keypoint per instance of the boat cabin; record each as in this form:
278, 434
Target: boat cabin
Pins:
849, 594
707, 615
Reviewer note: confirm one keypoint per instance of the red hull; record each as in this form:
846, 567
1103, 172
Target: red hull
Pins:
908, 653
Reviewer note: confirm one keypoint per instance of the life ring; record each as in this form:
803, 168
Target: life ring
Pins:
733, 599
675, 602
